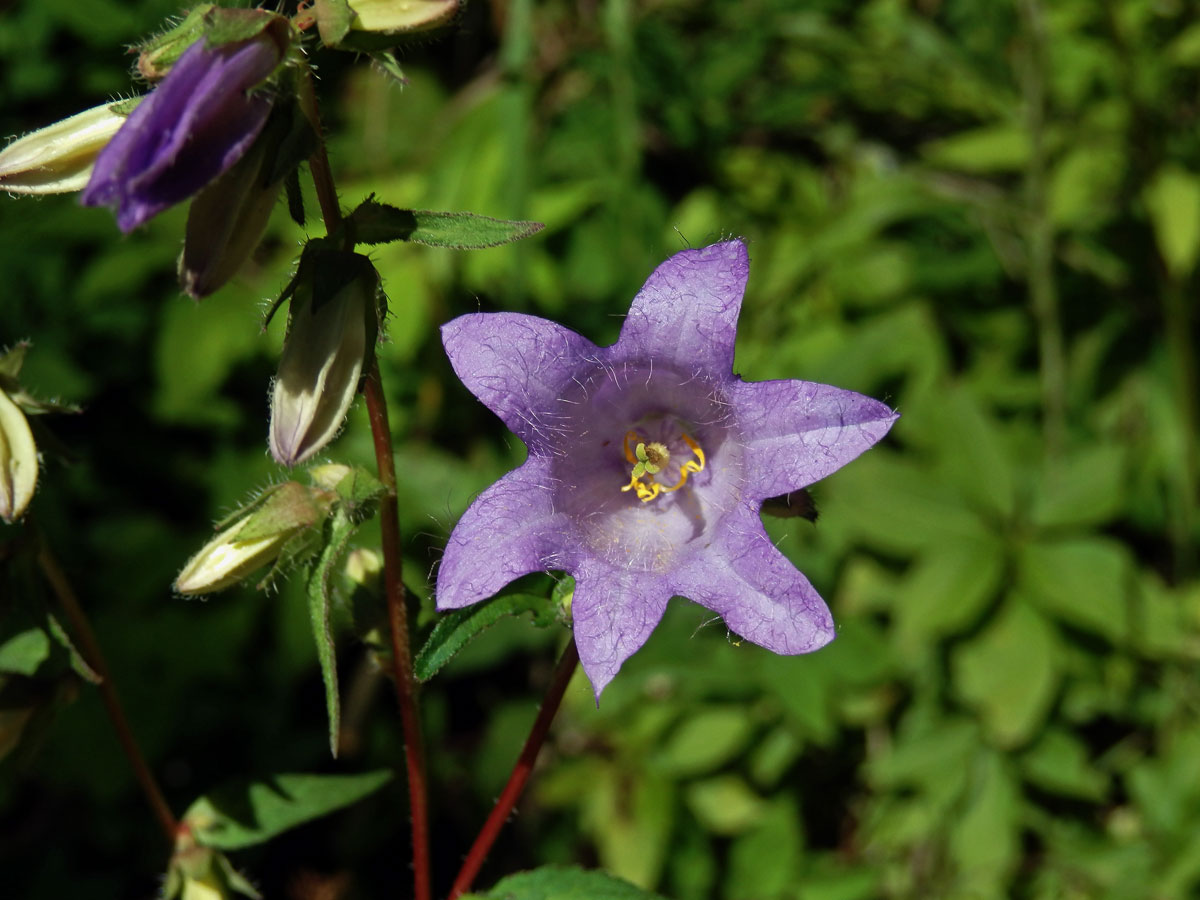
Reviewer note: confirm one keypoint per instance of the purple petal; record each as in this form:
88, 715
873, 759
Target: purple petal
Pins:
194, 126
797, 432
510, 530
519, 366
756, 590
686, 313
613, 612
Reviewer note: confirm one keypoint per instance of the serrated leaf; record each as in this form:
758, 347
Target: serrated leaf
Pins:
458, 628
563, 883
379, 223
245, 814
320, 598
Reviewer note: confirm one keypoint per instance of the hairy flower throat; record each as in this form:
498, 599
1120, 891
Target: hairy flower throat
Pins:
650, 459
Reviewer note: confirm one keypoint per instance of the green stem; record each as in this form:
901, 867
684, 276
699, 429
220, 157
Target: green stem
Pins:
1043, 291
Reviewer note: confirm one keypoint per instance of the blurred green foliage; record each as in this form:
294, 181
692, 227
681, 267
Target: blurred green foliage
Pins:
987, 215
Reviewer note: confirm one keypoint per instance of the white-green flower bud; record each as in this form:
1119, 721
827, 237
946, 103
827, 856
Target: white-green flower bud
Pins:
331, 332
399, 16
255, 539
18, 460
58, 159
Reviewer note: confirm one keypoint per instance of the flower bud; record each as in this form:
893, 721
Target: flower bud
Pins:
377, 24
18, 460
58, 159
200, 120
331, 333
198, 872
400, 16
257, 537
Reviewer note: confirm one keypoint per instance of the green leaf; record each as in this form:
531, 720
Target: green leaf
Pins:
993, 148
1173, 200
320, 598
563, 883
947, 589
458, 628
725, 804
22, 653
763, 861
1010, 673
1059, 763
707, 740
1082, 582
1087, 488
378, 223
244, 814
984, 840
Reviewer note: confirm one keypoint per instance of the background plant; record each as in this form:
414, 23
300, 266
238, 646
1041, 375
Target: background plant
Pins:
986, 215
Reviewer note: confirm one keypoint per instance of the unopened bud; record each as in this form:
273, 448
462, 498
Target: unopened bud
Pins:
254, 539
378, 24
400, 16
331, 332
18, 460
58, 159
198, 872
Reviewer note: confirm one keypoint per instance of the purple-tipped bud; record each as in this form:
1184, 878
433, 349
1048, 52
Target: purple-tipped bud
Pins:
198, 122
331, 331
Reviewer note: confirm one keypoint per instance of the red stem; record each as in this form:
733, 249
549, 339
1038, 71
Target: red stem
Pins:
389, 526
389, 523
90, 649
520, 773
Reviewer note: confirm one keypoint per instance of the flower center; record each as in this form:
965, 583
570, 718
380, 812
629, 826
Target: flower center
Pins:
650, 459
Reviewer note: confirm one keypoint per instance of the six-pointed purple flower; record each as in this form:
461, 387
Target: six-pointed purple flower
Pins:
198, 122
648, 464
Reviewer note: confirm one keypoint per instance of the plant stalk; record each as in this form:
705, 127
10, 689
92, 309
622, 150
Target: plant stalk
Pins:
520, 773
389, 526
90, 648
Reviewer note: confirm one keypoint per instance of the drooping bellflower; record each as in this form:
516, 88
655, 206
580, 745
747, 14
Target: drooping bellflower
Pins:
648, 463
198, 122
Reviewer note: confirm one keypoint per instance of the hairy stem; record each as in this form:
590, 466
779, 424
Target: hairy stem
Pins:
389, 523
318, 162
520, 773
90, 648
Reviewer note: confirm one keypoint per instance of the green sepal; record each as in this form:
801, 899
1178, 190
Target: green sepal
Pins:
12, 359
566, 883
295, 197
387, 63
458, 628
245, 814
380, 223
338, 530
231, 26
157, 55
289, 506
125, 107
333, 20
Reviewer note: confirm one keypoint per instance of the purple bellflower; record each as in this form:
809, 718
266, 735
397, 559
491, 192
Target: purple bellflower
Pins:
192, 127
648, 464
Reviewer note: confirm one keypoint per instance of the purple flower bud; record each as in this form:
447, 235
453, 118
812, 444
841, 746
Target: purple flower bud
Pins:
194, 126
648, 464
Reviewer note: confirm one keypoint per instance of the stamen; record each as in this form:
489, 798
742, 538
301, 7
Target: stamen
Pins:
649, 460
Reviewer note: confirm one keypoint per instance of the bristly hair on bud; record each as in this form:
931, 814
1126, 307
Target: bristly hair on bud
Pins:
200, 120
58, 159
333, 322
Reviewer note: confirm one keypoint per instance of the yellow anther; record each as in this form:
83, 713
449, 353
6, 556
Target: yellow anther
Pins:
644, 469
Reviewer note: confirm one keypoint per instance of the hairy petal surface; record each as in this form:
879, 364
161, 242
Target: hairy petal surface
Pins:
510, 530
756, 589
797, 432
685, 315
519, 366
613, 612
